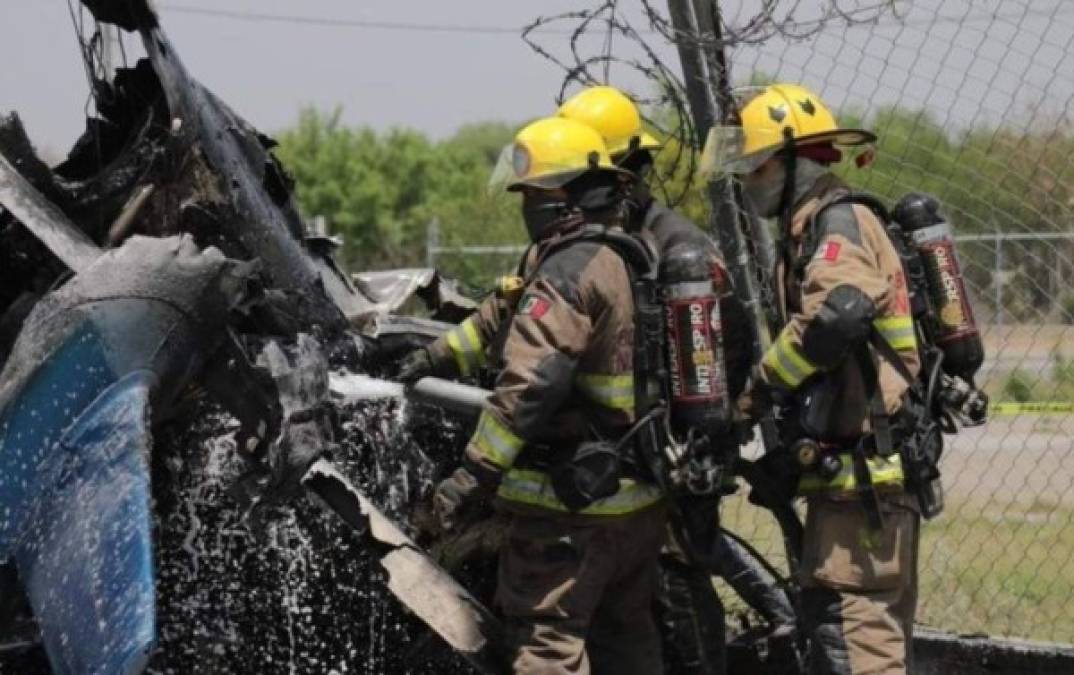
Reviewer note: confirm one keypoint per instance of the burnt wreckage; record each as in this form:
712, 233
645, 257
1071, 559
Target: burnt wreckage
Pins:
182, 366
158, 392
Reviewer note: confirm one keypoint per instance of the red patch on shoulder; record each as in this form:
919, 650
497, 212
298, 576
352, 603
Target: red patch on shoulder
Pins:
534, 306
831, 251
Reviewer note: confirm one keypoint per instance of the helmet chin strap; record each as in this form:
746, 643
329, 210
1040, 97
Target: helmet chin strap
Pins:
790, 165
786, 200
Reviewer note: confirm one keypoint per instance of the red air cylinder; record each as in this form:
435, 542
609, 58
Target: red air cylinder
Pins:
696, 368
956, 331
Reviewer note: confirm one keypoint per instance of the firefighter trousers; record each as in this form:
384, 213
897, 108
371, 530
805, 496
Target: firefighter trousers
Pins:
859, 588
577, 596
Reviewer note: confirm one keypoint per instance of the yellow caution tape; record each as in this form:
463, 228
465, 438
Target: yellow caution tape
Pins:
1015, 408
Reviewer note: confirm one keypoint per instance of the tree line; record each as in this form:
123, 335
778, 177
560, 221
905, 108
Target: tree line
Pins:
380, 190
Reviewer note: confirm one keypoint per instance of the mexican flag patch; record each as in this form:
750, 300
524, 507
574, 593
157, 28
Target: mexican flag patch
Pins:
829, 252
534, 306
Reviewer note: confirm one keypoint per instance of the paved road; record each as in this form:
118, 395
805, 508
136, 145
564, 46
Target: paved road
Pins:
1031, 348
1027, 459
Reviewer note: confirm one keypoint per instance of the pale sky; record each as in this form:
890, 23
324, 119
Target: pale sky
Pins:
970, 61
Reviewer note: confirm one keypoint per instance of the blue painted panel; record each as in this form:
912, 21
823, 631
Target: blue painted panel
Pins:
31, 425
75, 506
89, 571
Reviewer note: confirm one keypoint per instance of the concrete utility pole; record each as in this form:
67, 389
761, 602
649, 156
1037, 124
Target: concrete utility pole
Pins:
707, 79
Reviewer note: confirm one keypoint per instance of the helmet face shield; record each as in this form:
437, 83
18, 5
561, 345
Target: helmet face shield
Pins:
550, 153
770, 115
727, 151
515, 169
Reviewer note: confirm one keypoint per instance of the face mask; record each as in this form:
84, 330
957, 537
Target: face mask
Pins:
806, 175
541, 213
766, 194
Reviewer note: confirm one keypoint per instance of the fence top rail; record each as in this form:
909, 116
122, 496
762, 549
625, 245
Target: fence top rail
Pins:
985, 236
507, 248
1015, 236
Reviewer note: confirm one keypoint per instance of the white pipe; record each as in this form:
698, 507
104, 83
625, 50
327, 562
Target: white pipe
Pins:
458, 398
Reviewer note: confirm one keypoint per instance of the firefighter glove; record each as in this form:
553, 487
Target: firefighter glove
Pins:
840, 326
458, 494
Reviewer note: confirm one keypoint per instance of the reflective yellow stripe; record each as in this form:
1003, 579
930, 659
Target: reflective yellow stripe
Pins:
465, 343
534, 488
610, 391
787, 362
1014, 408
898, 331
884, 471
495, 441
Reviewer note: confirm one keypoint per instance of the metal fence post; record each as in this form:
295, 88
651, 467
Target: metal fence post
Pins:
1057, 273
998, 278
432, 241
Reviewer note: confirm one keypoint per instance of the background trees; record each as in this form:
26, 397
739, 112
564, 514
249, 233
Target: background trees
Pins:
380, 191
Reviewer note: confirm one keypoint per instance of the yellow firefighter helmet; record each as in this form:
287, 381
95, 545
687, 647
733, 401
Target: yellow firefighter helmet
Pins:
613, 115
550, 153
769, 115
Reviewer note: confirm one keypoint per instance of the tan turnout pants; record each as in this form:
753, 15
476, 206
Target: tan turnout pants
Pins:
577, 597
859, 591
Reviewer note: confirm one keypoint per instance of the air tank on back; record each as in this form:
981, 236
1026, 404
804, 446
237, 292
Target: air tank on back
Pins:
698, 378
956, 330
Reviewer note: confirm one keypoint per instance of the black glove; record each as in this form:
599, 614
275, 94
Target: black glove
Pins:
841, 325
457, 494
758, 399
416, 365
780, 473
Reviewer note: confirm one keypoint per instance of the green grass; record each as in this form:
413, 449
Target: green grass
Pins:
1006, 572
1021, 386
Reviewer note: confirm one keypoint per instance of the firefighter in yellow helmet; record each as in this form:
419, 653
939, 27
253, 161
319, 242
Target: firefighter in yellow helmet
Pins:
843, 297
615, 117
578, 568
687, 594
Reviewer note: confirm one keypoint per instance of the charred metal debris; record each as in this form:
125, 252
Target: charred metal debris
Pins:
166, 336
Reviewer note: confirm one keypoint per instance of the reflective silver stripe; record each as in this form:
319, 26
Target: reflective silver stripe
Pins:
465, 344
898, 331
925, 234
610, 391
787, 362
691, 289
884, 471
495, 441
534, 488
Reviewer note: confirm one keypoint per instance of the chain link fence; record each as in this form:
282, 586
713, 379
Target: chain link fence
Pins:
972, 103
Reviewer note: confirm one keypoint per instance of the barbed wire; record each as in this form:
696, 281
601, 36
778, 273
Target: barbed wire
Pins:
775, 18
663, 104
663, 97
344, 22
